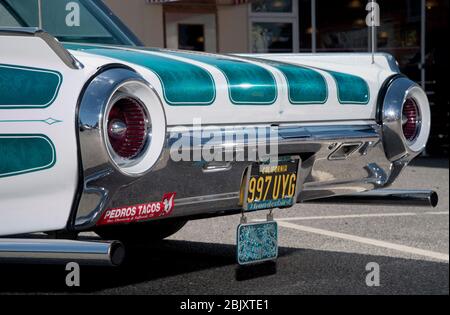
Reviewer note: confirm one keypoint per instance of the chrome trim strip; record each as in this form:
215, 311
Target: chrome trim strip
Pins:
309, 123
207, 198
393, 64
212, 167
51, 41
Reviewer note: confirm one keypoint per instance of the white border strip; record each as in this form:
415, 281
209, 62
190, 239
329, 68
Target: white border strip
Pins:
356, 216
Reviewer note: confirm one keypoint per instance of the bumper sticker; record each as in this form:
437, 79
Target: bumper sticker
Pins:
141, 212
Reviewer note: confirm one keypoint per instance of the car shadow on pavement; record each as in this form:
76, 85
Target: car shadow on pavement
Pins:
183, 267
431, 162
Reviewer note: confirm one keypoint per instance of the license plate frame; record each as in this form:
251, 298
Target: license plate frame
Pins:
257, 205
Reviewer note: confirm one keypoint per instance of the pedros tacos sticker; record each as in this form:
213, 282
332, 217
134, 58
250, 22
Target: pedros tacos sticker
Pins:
140, 212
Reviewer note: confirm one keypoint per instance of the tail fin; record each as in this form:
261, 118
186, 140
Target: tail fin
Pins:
29, 43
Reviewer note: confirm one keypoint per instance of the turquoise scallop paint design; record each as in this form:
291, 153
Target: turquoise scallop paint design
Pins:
183, 84
27, 153
248, 83
305, 86
351, 89
24, 87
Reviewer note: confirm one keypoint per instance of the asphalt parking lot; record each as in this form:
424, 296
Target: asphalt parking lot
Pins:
324, 249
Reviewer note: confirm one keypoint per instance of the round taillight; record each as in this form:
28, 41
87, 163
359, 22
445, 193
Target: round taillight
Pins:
127, 127
411, 120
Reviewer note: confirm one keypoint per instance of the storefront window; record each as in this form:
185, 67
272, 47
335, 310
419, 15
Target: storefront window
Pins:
191, 37
272, 6
341, 25
272, 37
305, 26
399, 34
274, 26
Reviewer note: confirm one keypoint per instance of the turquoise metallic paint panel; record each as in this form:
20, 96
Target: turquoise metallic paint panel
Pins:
22, 154
248, 84
183, 84
351, 88
24, 87
186, 84
305, 86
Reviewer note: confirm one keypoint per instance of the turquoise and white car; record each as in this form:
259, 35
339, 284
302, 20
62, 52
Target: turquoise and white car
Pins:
100, 134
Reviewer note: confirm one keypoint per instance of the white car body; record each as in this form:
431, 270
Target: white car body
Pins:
43, 200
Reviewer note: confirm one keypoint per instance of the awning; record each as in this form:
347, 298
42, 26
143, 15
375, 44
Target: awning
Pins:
214, 2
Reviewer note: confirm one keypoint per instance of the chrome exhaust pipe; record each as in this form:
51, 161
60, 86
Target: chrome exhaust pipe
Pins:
424, 198
53, 251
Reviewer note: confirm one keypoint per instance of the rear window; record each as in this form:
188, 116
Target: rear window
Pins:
67, 20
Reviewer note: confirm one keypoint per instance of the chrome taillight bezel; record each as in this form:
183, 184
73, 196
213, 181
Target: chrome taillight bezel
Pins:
155, 128
397, 145
100, 176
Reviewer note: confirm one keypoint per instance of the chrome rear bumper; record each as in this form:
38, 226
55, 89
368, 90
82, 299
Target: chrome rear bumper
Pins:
338, 158
205, 189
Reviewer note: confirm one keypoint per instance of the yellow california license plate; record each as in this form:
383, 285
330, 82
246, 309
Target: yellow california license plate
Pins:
272, 185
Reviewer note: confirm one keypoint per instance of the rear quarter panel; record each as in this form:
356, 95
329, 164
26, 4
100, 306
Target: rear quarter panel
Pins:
38, 145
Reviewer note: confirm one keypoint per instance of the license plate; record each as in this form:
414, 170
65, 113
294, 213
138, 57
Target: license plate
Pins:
257, 242
272, 185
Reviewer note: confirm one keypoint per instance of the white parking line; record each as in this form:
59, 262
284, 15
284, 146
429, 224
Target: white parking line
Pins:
368, 241
356, 216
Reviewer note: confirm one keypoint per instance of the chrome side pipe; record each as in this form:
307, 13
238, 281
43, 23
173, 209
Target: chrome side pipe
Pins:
53, 251
424, 198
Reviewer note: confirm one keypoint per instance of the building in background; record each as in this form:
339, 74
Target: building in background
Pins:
414, 31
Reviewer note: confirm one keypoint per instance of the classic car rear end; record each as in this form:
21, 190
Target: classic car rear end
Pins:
133, 142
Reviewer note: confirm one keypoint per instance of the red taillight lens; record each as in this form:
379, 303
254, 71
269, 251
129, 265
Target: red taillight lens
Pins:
411, 120
127, 127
